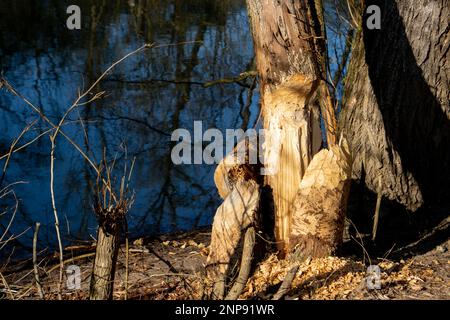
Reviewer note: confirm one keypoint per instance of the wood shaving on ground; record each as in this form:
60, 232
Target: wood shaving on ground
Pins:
152, 275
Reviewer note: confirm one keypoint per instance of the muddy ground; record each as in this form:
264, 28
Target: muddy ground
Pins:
172, 267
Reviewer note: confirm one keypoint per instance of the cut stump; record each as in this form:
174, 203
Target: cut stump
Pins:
318, 210
233, 217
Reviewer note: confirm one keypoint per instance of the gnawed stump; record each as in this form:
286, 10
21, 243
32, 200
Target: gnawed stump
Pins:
318, 211
236, 214
240, 164
292, 138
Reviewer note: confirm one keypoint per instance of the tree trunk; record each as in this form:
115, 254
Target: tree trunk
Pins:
396, 104
103, 271
288, 48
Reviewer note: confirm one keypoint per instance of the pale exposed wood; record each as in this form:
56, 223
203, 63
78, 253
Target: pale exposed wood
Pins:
233, 217
288, 48
291, 127
237, 165
318, 210
235, 214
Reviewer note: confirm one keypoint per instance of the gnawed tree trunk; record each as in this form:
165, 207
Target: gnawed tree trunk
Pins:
240, 164
236, 214
396, 111
103, 272
319, 207
111, 209
288, 47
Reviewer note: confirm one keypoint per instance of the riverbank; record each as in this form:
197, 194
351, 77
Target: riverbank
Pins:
172, 267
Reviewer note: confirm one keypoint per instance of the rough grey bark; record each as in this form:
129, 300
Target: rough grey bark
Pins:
111, 218
104, 269
396, 108
286, 36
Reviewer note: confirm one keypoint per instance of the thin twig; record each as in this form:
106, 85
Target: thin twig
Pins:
127, 261
96, 82
10, 88
351, 15
5, 284
4, 193
377, 210
11, 148
83, 256
55, 213
361, 244
35, 265
44, 133
233, 80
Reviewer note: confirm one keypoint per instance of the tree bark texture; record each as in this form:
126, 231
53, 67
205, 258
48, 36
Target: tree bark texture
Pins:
396, 111
103, 272
288, 48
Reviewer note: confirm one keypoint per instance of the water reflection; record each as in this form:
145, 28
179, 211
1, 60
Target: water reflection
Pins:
48, 63
148, 96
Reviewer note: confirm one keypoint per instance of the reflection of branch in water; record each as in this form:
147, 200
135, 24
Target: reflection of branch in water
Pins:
233, 80
188, 178
156, 206
11, 149
183, 96
142, 122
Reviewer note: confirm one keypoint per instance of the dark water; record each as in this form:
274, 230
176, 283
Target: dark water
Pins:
47, 64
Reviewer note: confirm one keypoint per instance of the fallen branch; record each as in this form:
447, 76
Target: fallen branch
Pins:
246, 262
443, 225
286, 285
83, 256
